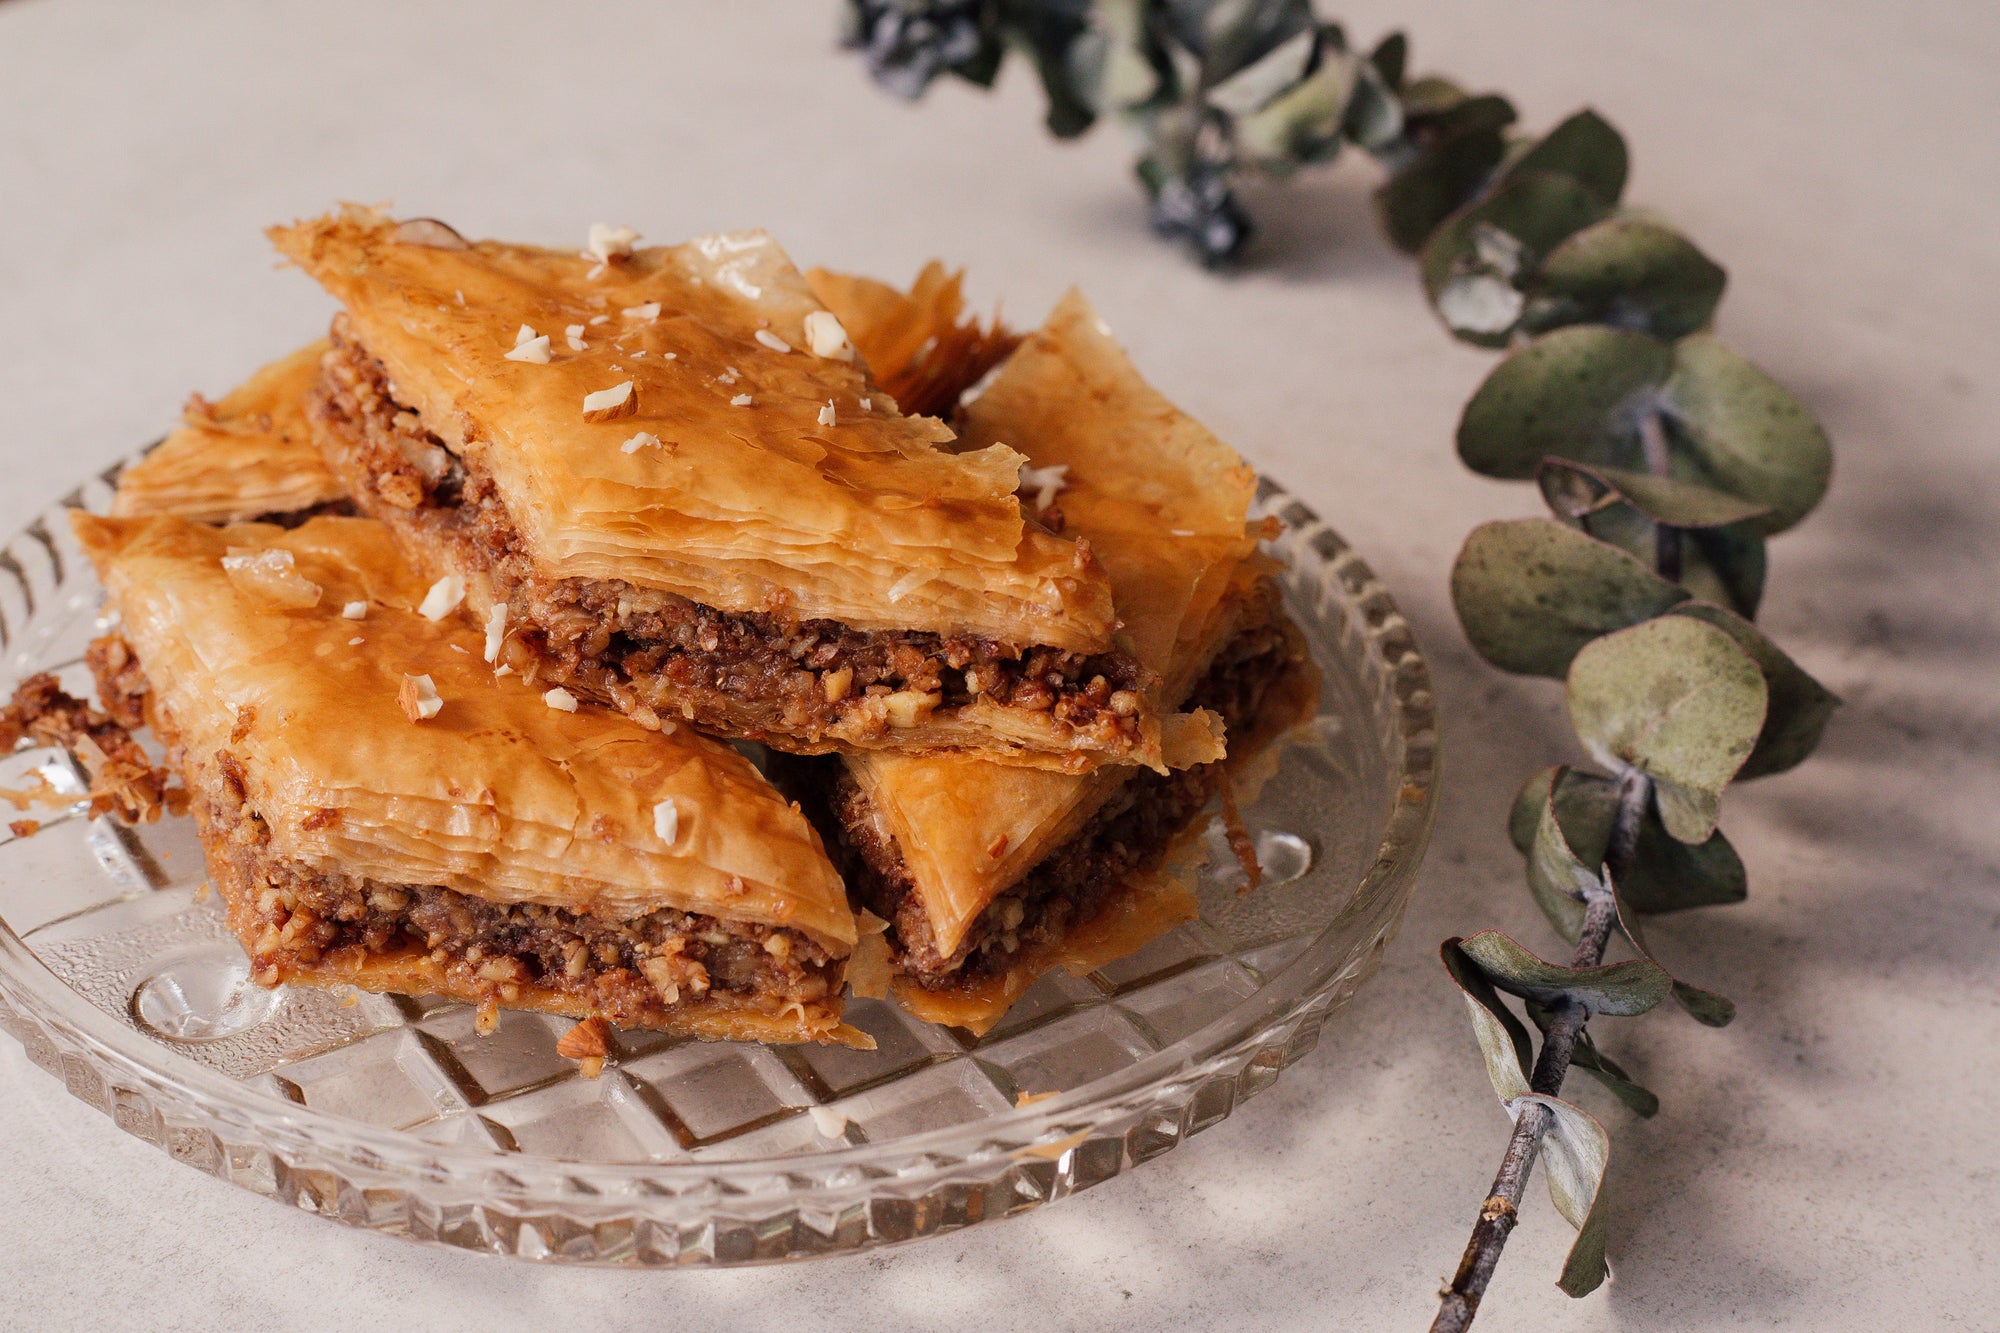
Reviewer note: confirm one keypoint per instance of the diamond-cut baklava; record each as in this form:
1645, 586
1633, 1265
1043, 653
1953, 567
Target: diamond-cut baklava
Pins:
668, 483
990, 875
381, 807
247, 455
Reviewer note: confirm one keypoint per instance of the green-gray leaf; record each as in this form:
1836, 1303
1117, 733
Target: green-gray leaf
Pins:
1574, 393
1799, 705
1628, 272
1558, 878
1252, 87
1503, 1038
1574, 1156
1430, 189
1374, 116
1703, 1005
1677, 699
1465, 268
1575, 489
1532, 592
1390, 58
1301, 124
1723, 565
1584, 148
1747, 433
1665, 876
1618, 989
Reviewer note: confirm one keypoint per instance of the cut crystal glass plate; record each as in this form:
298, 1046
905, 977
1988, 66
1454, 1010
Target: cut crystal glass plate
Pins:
119, 977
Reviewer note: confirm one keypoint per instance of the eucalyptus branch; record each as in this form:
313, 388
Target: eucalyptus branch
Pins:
1497, 1216
1667, 459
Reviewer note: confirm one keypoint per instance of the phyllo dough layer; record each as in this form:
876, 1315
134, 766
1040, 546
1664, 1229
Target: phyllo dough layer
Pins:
693, 501
379, 808
968, 859
248, 455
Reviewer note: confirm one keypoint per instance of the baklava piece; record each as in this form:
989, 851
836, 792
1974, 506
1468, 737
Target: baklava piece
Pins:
246, 456
668, 478
379, 810
990, 875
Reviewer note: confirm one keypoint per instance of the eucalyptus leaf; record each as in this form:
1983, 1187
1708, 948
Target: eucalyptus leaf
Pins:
1559, 880
1390, 58
1574, 1156
1620, 990
1534, 212
1573, 393
1585, 149
1702, 1005
1630, 273
1726, 566
1237, 34
1677, 699
1638, 1098
1301, 124
1253, 87
1431, 188
1799, 705
1374, 116
1666, 875
1503, 1038
1530, 593
1681, 504
1430, 96
1722, 565
1748, 434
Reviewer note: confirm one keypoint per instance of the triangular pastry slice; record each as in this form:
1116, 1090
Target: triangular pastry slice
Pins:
378, 809
668, 473
990, 875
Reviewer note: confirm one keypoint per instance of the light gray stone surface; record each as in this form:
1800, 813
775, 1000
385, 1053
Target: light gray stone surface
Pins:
1821, 1164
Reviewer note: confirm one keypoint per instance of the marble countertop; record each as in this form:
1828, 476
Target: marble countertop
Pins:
1820, 1164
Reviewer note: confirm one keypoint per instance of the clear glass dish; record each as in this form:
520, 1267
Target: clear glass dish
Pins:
118, 976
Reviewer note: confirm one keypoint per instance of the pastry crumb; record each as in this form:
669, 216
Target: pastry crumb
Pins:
667, 821
772, 341
829, 1122
560, 699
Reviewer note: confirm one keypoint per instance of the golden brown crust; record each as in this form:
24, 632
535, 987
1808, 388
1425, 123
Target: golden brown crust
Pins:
916, 343
742, 505
1164, 503
245, 456
498, 794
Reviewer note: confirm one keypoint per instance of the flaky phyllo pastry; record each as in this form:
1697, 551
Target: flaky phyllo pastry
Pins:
380, 809
991, 874
666, 478
248, 455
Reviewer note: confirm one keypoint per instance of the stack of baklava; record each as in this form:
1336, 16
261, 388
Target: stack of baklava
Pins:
456, 624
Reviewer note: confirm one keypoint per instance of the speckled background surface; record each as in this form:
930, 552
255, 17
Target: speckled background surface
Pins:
1821, 1164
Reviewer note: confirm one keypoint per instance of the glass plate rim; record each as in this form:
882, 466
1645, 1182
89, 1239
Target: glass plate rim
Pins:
32, 994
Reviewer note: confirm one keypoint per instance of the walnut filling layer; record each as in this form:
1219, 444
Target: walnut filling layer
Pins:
638, 972
294, 919
767, 676
1129, 834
